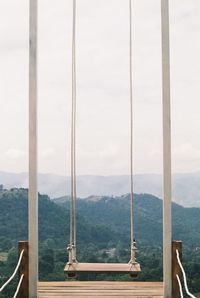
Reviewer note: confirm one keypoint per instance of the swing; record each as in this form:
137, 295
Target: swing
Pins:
98, 268
73, 266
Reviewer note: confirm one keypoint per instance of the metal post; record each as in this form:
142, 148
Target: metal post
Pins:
33, 193
167, 254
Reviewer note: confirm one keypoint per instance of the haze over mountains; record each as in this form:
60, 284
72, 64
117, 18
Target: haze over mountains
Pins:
186, 187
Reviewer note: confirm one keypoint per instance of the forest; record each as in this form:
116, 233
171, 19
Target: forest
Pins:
103, 235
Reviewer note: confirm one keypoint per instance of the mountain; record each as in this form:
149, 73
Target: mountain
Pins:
103, 234
114, 212
53, 221
106, 219
186, 190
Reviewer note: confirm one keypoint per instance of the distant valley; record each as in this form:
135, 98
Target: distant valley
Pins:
186, 187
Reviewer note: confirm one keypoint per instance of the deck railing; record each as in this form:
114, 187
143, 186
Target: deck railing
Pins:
178, 272
22, 270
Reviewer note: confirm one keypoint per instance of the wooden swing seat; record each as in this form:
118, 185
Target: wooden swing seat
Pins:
98, 268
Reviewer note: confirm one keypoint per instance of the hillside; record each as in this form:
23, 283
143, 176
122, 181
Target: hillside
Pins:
98, 219
53, 221
103, 225
185, 186
115, 213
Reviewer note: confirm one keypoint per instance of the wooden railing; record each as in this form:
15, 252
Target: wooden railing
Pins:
22, 290
24, 269
179, 279
176, 270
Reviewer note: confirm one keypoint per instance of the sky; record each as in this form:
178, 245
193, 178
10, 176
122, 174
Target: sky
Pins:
102, 86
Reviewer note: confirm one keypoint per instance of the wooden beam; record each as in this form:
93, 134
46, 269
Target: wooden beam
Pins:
167, 233
112, 268
176, 245
33, 193
24, 269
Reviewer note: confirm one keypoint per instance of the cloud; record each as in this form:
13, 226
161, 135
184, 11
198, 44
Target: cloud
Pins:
186, 152
48, 152
15, 153
102, 82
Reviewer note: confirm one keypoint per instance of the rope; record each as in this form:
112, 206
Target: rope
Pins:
180, 286
18, 286
72, 248
74, 87
14, 273
184, 275
131, 132
72, 140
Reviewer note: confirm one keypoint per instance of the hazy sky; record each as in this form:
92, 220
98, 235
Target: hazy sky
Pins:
102, 85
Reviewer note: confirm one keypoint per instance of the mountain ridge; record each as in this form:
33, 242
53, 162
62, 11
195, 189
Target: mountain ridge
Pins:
185, 187
109, 215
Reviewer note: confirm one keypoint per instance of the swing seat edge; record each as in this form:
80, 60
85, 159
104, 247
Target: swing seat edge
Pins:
114, 268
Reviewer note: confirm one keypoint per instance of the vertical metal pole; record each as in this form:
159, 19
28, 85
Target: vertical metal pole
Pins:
33, 193
167, 254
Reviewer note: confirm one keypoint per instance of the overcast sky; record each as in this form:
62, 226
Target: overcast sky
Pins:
102, 86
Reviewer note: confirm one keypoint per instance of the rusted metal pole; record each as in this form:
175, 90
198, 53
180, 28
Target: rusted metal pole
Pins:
176, 270
24, 269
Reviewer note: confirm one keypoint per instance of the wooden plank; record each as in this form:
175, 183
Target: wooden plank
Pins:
103, 268
96, 290
83, 289
105, 289
107, 296
116, 293
92, 283
101, 294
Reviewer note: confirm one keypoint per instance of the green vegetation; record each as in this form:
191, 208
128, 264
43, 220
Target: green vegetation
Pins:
103, 227
3, 256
